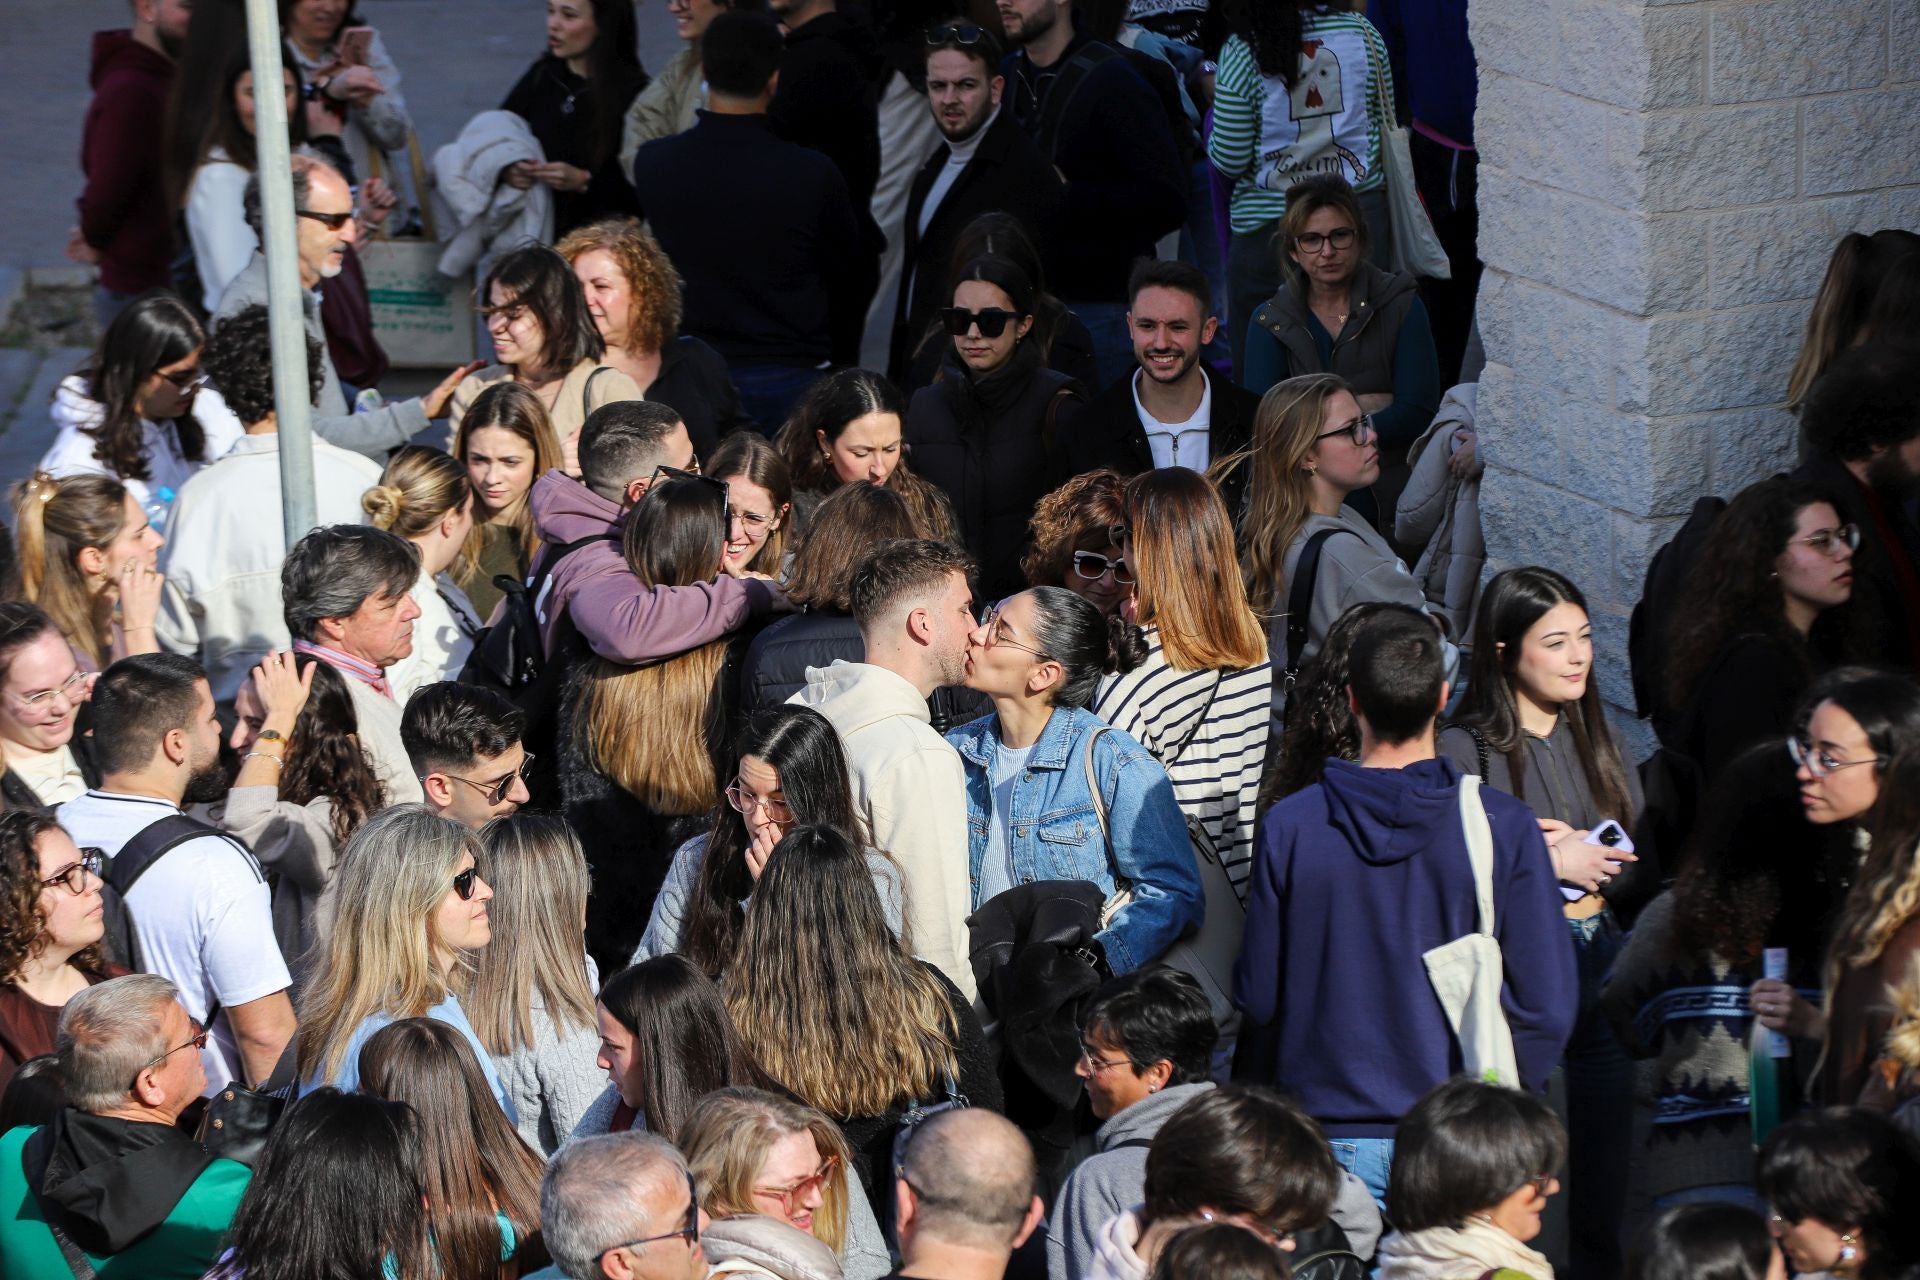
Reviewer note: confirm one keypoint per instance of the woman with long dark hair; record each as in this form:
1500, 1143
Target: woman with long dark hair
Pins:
305, 784
1320, 724
575, 98
129, 413
1842, 1183
1838, 318
792, 770
846, 429
89, 557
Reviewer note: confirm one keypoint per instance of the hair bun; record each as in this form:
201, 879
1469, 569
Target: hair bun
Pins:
383, 504
1126, 645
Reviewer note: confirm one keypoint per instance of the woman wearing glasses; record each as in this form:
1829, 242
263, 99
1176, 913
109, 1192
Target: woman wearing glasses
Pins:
425, 496
1073, 544
1337, 313
1312, 449
768, 1167
989, 430
90, 557
129, 413
790, 769
408, 910
759, 497
52, 921
1768, 606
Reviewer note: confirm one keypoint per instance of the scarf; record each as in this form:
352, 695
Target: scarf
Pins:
1458, 1253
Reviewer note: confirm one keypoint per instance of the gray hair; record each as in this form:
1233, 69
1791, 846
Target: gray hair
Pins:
332, 571
592, 1197
109, 1033
304, 163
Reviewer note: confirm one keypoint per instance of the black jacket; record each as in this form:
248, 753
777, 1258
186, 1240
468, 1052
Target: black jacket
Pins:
1888, 618
825, 100
559, 107
765, 237
776, 665
109, 1182
693, 380
1109, 434
1006, 175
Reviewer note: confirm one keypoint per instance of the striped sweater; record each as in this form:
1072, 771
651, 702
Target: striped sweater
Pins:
1212, 741
1266, 138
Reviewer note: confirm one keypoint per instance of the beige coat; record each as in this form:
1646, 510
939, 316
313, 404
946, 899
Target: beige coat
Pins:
570, 407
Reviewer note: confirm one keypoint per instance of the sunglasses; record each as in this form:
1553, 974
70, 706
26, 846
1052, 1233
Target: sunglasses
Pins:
1093, 566
964, 34
331, 221
463, 883
74, 874
496, 790
800, 1190
688, 1231
187, 379
992, 321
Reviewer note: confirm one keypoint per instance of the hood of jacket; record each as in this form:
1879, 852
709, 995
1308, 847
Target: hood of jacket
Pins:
1113, 1255
110, 1181
853, 695
565, 510
1390, 814
116, 51
1143, 1119
768, 1245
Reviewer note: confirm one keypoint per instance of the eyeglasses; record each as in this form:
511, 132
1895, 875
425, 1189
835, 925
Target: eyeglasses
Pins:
186, 379
805, 1187
744, 801
754, 520
964, 34
74, 874
199, 1041
689, 1231
68, 689
1821, 763
992, 321
496, 790
1360, 431
1829, 541
1539, 1182
992, 625
1314, 241
1096, 1065
331, 221
1093, 566
463, 883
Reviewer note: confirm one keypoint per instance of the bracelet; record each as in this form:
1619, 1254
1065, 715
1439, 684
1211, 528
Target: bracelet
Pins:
264, 755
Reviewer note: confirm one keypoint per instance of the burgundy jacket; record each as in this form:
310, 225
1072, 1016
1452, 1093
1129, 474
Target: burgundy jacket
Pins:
123, 207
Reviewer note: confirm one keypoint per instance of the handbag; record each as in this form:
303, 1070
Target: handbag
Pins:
1468, 972
422, 318
238, 1121
1414, 249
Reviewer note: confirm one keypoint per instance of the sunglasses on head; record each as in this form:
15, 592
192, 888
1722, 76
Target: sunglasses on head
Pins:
992, 321
964, 34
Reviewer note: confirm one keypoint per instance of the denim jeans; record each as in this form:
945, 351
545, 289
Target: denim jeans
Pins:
1599, 1075
1368, 1159
768, 392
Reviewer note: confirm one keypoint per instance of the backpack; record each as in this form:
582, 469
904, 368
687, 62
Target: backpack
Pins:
1653, 616
1066, 86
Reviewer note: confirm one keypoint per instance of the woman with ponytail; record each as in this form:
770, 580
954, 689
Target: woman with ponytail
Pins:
425, 496
1039, 656
90, 558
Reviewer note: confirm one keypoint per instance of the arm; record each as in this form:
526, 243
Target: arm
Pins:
920, 820
262, 1029
1259, 975
1087, 1204
1542, 992
1236, 99
625, 621
1150, 847
651, 116
1266, 359
292, 840
1416, 382
670, 906
385, 118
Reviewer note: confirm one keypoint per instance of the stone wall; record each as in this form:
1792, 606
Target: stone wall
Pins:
1660, 187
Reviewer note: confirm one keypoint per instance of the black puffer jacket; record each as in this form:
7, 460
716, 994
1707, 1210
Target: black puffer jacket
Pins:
776, 665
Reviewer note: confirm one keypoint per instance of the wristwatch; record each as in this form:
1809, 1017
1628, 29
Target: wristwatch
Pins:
270, 735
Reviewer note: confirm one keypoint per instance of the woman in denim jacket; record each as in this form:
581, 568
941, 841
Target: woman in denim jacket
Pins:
1030, 813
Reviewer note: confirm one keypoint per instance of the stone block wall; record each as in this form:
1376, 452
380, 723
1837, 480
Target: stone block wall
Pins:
1661, 185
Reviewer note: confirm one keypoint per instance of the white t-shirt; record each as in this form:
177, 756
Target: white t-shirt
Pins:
202, 916
54, 776
1179, 444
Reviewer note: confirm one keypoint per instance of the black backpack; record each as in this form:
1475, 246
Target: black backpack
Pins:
1066, 86
509, 656
1660, 603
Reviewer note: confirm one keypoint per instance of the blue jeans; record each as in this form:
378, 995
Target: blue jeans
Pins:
1368, 1159
1717, 1193
1599, 1076
1112, 342
768, 392
108, 303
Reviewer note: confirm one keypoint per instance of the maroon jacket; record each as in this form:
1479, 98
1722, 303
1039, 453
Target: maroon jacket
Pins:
123, 208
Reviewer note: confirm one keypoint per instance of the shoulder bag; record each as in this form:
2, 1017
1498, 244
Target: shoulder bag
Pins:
1415, 249
1468, 972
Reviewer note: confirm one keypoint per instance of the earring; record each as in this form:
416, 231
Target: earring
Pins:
1847, 1252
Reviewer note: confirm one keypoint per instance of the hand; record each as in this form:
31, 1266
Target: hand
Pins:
354, 84
1465, 462
435, 401
139, 589
79, 250
282, 688
519, 175
1375, 401
562, 176
1778, 1007
1589, 866
760, 844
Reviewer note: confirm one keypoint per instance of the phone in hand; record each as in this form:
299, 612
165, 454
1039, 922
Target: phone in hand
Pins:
355, 44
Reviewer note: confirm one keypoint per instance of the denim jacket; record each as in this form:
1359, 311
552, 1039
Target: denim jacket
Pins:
1056, 831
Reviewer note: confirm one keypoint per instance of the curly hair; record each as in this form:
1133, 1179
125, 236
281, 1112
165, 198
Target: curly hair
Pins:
1320, 725
1272, 29
654, 319
324, 757
22, 923
239, 361
1074, 517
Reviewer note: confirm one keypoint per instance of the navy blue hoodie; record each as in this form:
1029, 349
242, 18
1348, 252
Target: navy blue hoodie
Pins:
1354, 879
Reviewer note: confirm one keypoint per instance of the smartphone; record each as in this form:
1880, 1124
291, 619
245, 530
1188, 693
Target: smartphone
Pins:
355, 43
1613, 836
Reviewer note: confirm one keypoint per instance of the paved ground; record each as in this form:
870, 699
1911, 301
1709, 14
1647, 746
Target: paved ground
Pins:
457, 57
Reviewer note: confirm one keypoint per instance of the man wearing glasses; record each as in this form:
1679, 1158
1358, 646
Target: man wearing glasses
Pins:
621, 1207
464, 744
41, 689
111, 1185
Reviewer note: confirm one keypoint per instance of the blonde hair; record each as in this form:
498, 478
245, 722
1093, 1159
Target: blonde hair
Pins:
1181, 547
376, 953
727, 1139
654, 318
540, 881
1903, 1038
54, 520
1279, 488
511, 407
418, 489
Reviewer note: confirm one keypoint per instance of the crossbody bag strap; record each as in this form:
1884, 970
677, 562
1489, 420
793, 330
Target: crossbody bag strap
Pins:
1218, 678
1306, 575
152, 843
586, 392
1473, 822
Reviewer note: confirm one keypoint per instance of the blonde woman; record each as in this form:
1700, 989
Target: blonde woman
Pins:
1201, 699
425, 497
407, 914
758, 1156
89, 557
531, 1001
1312, 447
633, 294
506, 442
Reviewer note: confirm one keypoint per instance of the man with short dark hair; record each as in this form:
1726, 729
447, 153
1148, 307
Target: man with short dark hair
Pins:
1359, 875
913, 602
201, 909
1169, 411
464, 744
965, 1197
344, 593
1860, 425
989, 164
761, 230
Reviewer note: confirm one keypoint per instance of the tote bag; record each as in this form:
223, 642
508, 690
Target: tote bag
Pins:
1468, 972
1415, 249
423, 319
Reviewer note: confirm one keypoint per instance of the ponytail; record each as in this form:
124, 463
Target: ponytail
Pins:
54, 520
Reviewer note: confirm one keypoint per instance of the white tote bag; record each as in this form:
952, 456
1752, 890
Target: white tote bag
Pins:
1468, 972
1415, 249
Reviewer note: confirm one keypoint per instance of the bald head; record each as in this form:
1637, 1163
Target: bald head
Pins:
972, 1176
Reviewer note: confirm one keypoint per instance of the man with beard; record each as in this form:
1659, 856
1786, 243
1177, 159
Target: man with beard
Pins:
1169, 411
1860, 437
124, 226
988, 165
200, 906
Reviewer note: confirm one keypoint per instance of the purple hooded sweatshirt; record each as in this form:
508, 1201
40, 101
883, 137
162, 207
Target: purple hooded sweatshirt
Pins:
621, 619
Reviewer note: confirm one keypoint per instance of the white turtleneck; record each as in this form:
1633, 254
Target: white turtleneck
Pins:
959, 156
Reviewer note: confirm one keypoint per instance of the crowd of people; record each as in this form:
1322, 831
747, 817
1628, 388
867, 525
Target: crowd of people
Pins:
873, 740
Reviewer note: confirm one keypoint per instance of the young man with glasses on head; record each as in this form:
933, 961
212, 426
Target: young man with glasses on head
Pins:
464, 744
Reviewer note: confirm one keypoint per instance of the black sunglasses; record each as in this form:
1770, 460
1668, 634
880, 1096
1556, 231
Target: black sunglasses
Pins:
964, 34
463, 883
332, 221
992, 321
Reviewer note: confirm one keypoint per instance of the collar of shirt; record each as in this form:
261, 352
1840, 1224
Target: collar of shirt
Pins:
961, 153
347, 665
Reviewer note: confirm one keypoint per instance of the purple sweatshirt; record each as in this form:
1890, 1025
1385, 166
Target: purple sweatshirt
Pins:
621, 619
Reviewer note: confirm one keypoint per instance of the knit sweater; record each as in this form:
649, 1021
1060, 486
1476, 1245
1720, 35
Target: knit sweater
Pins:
1209, 729
554, 1081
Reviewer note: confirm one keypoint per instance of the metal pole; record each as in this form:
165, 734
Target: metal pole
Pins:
286, 315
